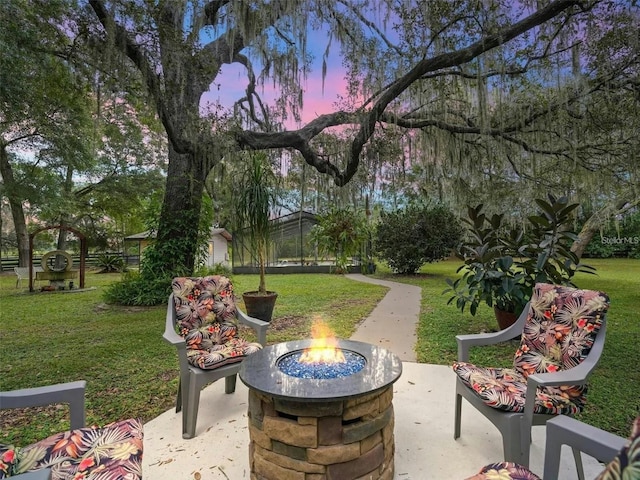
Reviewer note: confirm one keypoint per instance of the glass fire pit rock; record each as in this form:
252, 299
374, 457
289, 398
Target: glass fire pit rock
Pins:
291, 364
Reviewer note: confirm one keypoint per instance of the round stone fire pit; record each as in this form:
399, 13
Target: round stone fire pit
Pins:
323, 427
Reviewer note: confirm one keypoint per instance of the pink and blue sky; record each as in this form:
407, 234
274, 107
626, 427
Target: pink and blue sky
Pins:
318, 98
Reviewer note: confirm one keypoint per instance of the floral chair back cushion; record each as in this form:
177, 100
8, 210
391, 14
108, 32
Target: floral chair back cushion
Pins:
206, 318
562, 326
201, 301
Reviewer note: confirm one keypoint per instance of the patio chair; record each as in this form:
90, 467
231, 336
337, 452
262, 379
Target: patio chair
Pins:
622, 456
23, 273
202, 323
562, 336
112, 451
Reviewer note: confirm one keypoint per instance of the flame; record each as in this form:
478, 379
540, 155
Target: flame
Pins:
324, 346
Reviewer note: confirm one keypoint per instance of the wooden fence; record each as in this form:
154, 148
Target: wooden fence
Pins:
7, 263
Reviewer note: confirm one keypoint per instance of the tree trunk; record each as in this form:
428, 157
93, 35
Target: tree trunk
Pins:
64, 217
1, 240
595, 221
262, 288
589, 229
176, 246
17, 212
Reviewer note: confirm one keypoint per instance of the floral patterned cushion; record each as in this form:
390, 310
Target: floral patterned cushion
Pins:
561, 327
626, 465
113, 452
206, 318
504, 471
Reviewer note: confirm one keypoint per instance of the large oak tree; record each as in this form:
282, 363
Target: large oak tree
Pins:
477, 81
179, 48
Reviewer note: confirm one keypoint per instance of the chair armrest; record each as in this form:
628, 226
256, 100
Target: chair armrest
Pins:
563, 430
577, 375
258, 325
170, 334
173, 338
465, 342
71, 393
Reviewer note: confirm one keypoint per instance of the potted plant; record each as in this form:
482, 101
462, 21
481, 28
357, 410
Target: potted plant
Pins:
254, 197
501, 266
488, 273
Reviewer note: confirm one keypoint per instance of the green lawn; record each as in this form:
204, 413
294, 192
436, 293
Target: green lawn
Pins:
56, 337
130, 371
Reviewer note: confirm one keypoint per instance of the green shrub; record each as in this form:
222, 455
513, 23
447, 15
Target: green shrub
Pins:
598, 249
111, 262
501, 266
217, 269
135, 289
341, 232
407, 239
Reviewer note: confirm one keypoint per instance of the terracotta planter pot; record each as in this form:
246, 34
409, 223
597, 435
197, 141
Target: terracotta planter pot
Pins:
260, 305
505, 319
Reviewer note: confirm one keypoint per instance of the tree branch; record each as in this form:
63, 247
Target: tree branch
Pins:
299, 139
136, 55
444, 61
373, 27
211, 10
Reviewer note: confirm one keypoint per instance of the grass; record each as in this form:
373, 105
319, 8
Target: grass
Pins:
130, 372
56, 337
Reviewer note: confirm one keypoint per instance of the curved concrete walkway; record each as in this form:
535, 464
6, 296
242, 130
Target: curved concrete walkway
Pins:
392, 324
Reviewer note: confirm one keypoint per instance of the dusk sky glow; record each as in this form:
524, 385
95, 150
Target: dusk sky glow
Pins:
318, 99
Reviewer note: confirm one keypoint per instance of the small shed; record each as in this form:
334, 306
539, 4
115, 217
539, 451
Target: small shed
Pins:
217, 250
141, 240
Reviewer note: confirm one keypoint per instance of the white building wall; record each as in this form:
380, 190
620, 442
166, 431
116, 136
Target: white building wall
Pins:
218, 251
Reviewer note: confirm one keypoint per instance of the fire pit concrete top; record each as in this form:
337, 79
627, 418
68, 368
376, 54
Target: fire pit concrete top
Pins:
260, 372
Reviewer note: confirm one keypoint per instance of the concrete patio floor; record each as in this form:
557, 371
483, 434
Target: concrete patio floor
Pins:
425, 448
423, 406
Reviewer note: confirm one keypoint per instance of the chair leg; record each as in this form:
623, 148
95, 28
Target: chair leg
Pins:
512, 444
230, 383
458, 416
179, 397
578, 459
552, 453
191, 399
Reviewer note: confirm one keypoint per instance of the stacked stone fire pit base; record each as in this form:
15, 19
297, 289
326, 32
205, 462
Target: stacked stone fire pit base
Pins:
333, 440
321, 428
